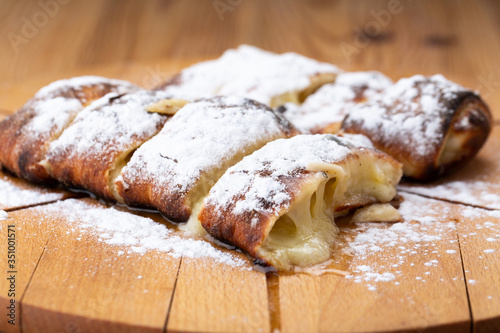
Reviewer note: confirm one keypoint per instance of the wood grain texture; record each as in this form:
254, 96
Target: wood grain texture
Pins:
237, 298
84, 284
479, 233
32, 234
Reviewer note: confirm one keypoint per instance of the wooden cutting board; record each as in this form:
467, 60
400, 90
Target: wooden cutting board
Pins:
440, 273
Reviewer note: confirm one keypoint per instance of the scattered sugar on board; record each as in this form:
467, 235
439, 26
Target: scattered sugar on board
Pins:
138, 233
416, 236
479, 193
3, 215
12, 196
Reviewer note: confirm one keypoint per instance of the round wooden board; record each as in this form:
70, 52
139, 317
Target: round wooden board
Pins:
441, 274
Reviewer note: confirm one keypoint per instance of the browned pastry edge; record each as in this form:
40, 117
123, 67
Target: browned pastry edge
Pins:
428, 167
21, 151
237, 229
92, 173
480, 119
174, 205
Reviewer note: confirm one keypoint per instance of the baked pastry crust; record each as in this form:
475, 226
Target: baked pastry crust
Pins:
269, 78
279, 203
429, 124
174, 170
25, 135
325, 109
92, 151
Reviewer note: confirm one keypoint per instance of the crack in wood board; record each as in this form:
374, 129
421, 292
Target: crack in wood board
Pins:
173, 296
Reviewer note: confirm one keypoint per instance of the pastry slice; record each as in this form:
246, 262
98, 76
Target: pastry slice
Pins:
429, 124
25, 136
279, 203
92, 151
324, 111
175, 170
272, 79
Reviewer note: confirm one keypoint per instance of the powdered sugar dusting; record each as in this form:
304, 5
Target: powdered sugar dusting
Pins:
14, 196
258, 175
473, 192
201, 138
78, 82
113, 123
54, 113
139, 234
419, 236
56, 104
411, 113
333, 101
3, 215
248, 72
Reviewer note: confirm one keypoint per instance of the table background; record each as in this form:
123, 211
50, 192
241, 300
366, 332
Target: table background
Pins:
146, 42
460, 39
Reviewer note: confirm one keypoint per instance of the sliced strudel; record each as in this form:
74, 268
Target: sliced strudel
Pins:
25, 136
272, 79
429, 124
279, 203
92, 151
175, 169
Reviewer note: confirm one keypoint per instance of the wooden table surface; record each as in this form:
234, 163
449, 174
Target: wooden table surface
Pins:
147, 41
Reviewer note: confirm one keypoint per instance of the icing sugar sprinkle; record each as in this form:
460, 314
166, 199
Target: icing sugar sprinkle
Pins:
185, 149
111, 121
412, 112
13, 196
332, 101
417, 235
3, 215
476, 192
276, 159
139, 234
248, 72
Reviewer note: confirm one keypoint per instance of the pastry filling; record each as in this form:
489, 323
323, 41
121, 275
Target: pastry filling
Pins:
304, 235
297, 97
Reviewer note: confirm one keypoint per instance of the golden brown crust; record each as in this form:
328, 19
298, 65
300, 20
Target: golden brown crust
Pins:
458, 127
21, 149
100, 141
249, 229
177, 167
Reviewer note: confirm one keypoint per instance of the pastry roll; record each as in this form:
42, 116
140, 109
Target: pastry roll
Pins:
25, 136
92, 151
324, 110
427, 123
279, 203
174, 170
272, 79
